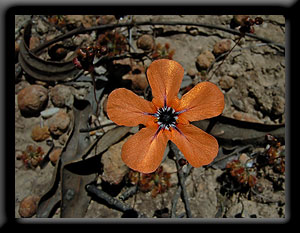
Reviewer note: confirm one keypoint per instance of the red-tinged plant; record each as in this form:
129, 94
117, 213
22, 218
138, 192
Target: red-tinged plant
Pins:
242, 173
32, 156
85, 60
166, 118
157, 182
57, 20
114, 42
163, 52
85, 57
275, 155
244, 23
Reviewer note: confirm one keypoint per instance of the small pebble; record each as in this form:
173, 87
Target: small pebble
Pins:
62, 96
55, 154
226, 82
59, 123
145, 42
49, 112
32, 99
244, 158
222, 46
204, 60
28, 206
39, 133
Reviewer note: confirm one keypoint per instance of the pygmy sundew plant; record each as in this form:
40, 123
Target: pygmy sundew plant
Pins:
244, 173
244, 23
275, 154
161, 52
85, 57
32, 156
166, 118
114, 42
157, 182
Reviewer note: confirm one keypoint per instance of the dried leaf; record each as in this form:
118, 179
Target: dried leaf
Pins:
41, 69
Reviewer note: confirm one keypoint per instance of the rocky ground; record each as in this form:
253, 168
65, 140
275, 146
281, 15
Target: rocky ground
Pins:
252, 78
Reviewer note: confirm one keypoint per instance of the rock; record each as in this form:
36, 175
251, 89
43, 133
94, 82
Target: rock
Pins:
62, 96
49, 112
32, 99
145, 42
278, 105
34, 42
244, 158
194, 31
251, 208
237, 102
105, 19
239, 20
138, 79
17, 49
59, 123
226, 82
245, 117
235, 71
80, 39
222, 46
28, 206
17, 46
41, 27
55, 154
57, 52
204, 60
114, 169
73, 21
21, 85
192, 73
263, 97
39, 133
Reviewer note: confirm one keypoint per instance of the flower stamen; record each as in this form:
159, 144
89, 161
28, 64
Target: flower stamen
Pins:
166, 118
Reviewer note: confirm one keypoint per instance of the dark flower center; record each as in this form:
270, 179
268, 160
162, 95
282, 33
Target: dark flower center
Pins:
166, 117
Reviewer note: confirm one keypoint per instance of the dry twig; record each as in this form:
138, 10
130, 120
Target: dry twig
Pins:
181, 177
114, 202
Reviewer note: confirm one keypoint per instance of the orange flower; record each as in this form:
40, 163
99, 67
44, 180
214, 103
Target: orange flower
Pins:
166, 118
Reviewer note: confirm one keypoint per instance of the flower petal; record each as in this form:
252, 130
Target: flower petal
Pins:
144, 151
126, 108
165, 77
203, 101
198, 147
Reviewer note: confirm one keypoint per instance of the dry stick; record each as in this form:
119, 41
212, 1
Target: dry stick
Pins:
177, 195
129, 192
181, 178
115, 202
97, 102
175, 201
82, 30
95, 128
